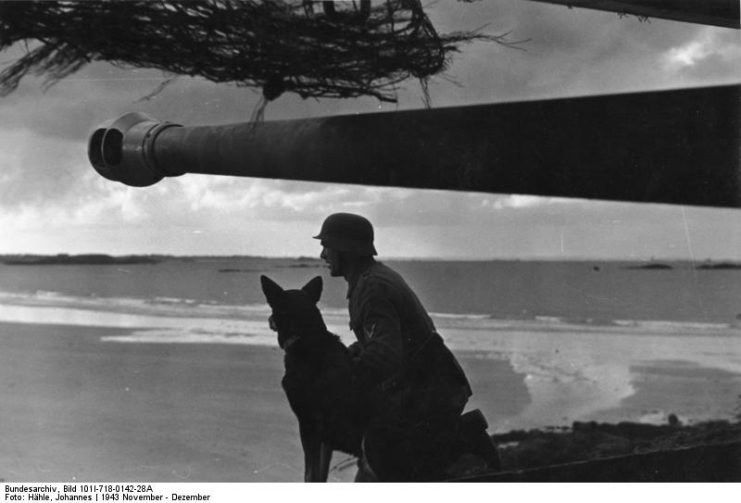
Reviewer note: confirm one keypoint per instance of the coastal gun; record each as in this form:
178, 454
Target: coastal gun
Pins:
674, 147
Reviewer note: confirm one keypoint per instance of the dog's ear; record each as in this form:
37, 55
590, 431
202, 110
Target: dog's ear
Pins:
314, 289
272, 290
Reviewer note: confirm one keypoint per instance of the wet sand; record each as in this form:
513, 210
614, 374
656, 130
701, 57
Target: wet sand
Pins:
74, 408
684, 388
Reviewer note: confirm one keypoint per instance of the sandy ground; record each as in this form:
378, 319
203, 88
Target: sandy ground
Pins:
74, 408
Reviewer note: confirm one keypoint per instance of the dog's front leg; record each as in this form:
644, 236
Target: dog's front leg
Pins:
325, 458
311, 442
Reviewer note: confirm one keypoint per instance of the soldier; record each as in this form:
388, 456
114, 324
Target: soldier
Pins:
413, 385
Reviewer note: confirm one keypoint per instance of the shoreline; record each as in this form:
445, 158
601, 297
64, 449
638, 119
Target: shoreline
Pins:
578, 292
4, 257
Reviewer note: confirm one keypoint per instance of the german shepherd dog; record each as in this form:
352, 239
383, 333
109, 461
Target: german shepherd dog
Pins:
318, 377
318, 383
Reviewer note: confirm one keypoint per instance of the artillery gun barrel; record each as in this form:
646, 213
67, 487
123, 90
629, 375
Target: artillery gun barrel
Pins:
676, 147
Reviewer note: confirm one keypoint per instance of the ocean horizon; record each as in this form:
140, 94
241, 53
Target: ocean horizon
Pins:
531, 258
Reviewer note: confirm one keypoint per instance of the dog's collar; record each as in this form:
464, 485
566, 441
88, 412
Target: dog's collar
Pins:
290, 342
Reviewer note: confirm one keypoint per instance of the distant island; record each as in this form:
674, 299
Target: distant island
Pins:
86, 259
720, 266
651, 266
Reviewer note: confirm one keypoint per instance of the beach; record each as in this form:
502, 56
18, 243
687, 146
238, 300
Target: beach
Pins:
80, 408
76, 408
170, 373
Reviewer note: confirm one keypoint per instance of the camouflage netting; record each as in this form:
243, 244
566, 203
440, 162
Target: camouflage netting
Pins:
315, 49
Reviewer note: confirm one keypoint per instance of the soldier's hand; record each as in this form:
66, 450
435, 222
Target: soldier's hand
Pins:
355, 349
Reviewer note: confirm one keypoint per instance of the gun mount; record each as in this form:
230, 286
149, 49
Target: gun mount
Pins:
675, 147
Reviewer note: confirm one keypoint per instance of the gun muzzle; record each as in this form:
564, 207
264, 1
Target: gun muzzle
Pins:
676, 147
123, 150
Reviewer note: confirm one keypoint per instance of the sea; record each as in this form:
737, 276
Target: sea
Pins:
578, 331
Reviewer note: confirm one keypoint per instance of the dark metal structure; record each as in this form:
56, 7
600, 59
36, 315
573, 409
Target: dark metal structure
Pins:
723, 13
677, 147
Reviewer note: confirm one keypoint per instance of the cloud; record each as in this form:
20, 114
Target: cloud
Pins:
711, 53
39, 170
266, 199
212, 215
520, 201
572, 52
104, 206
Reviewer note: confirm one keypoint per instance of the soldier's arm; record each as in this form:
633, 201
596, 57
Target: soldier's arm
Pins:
381, 325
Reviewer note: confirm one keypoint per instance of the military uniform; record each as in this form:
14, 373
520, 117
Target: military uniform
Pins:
415, 386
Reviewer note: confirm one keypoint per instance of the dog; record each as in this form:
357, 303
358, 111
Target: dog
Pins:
319, 385
317, 379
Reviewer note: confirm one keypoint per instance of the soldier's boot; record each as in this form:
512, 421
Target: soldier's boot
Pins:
473, 428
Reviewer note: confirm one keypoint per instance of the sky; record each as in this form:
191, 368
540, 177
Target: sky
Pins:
52, 201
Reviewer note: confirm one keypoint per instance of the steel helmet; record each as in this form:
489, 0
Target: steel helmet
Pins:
347, 232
